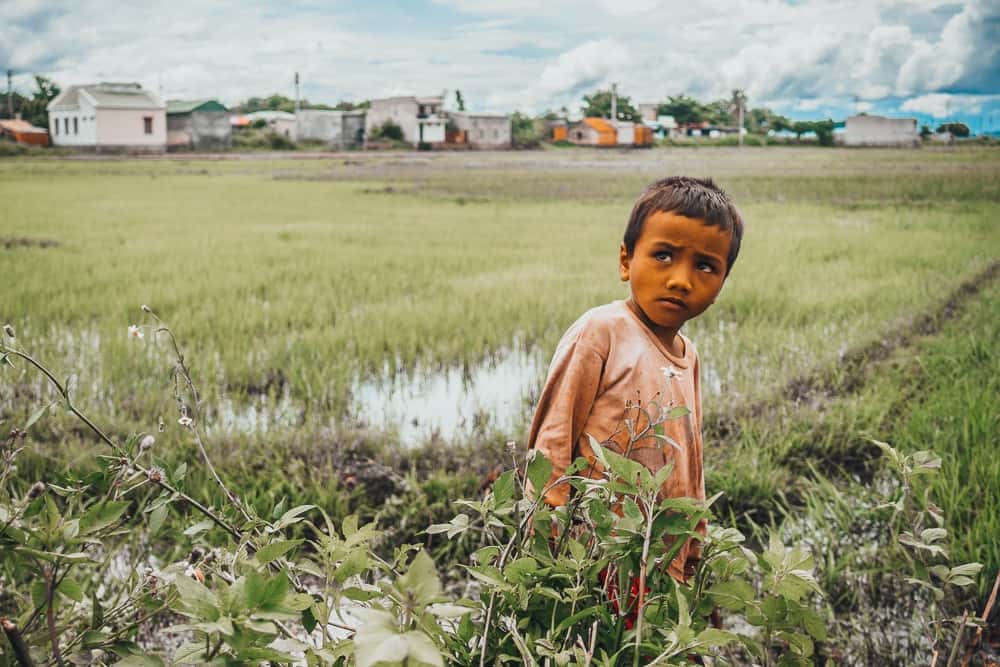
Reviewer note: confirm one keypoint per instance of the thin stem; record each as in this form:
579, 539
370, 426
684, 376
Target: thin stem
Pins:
647, 539
958, 639
50, 614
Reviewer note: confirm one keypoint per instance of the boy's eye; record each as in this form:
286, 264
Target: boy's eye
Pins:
664, 255
706, 267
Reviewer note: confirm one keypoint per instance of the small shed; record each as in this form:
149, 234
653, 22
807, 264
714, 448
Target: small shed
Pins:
22, 132
197, 125
336, 129
482, 130
593, 132
643, 136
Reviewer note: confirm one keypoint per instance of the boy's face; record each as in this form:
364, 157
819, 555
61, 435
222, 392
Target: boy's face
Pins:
676, 270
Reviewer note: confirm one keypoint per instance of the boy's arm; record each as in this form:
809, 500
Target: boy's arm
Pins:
563, 408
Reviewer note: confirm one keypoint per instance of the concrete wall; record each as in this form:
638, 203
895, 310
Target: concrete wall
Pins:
124, 129
353, 135
316, 125
400, 110
65, 132
880, 131
199, 130
483, 130
626, 132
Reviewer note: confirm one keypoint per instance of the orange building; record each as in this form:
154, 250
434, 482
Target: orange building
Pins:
23, 132
593, 132
643, 136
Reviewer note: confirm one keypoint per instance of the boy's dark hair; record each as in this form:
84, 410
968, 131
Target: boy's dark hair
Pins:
692, 198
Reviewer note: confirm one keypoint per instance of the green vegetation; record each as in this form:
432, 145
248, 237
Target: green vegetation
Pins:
290, 279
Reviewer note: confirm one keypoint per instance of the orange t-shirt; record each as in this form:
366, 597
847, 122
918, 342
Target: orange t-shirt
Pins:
609, 358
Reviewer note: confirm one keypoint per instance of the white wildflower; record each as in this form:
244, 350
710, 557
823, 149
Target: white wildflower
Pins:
146, 442
185, 421
135, 332
669, 372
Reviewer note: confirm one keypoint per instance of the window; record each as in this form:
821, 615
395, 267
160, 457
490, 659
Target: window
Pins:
55, 126
76, 125
147, 124
66, 125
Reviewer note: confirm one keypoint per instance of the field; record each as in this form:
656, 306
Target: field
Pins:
864, 304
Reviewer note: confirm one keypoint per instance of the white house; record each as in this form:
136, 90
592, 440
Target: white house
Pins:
108, 117
864, 130
421, 118
482, 130
280, 122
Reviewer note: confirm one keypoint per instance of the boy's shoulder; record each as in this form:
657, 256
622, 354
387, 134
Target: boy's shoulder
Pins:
599, 325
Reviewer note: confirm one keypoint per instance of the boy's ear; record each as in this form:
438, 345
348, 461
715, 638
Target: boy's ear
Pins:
623, 262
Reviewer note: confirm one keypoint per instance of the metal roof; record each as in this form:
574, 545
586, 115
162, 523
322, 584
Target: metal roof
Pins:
188, 106
107, 96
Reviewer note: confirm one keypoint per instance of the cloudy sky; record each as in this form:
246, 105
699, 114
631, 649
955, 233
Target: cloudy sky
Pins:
806, 58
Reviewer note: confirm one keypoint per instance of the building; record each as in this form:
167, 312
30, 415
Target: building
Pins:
592, 132
643, 136
650, 112
557, 130
482, 130
198, 125
279, 122
624, 132
864, 130
22, 132
336, 129
113, 117
420, 118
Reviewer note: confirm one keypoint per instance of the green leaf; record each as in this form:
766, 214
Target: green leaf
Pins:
71, 589
518, 570
197, 598
101, 516
156, 519
199, 527
191, 652
36, 415
930, 535
539, 471
503, 489
421, 580
291, 517
814, 625
733, 594
966, 570
140, 661
714, 637
275, 550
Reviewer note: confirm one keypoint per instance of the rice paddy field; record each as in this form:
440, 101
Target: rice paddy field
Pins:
399, 310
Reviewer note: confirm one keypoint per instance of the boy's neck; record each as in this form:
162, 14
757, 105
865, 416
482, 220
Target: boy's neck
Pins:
666, 335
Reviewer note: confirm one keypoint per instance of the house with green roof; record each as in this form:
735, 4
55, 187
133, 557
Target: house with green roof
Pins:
198, 125
109, 117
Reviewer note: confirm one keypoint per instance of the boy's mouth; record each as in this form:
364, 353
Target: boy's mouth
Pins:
673, 303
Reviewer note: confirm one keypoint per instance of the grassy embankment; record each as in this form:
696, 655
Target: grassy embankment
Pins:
327, 270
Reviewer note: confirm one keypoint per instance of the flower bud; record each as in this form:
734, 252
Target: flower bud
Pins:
145, 308
37, 489
155, 474
146, 443
9, 330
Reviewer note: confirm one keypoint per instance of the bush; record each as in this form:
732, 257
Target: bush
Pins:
387, 130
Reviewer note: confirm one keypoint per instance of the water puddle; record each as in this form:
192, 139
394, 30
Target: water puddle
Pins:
430, 402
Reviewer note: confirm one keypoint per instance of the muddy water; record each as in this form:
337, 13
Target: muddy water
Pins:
450, 403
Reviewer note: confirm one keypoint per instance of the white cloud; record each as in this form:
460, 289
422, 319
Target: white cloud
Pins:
809, 55
943, 105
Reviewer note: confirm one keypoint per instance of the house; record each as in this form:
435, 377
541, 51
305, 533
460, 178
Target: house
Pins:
643, 136
593, 132
420, 118
557, 129
108, 117
864, 130
482, 130
198, 125
336, 129
22, 132
279, 122
649, 111
624, 132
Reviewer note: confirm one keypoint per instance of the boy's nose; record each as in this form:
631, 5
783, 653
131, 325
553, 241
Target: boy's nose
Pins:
679, 280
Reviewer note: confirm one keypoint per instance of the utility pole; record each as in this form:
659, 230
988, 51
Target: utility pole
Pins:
614, 101
296, 93
10, 94
739, 130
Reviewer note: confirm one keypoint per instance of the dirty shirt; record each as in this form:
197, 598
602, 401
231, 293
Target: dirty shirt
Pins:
608, 360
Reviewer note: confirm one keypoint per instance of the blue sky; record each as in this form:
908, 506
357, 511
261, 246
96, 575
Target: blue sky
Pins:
808, 59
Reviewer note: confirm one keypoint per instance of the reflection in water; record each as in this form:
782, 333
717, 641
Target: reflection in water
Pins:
453, 402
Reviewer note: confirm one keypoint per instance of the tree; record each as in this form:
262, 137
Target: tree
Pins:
925, 131
459, 100
957, 129
684, 109
524, 131
598, 105
34, 109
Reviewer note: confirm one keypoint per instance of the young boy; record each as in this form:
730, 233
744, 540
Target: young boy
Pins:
681, 242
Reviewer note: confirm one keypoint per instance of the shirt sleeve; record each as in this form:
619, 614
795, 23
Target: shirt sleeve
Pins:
563, 408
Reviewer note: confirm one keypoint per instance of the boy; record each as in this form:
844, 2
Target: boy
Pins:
682, 239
